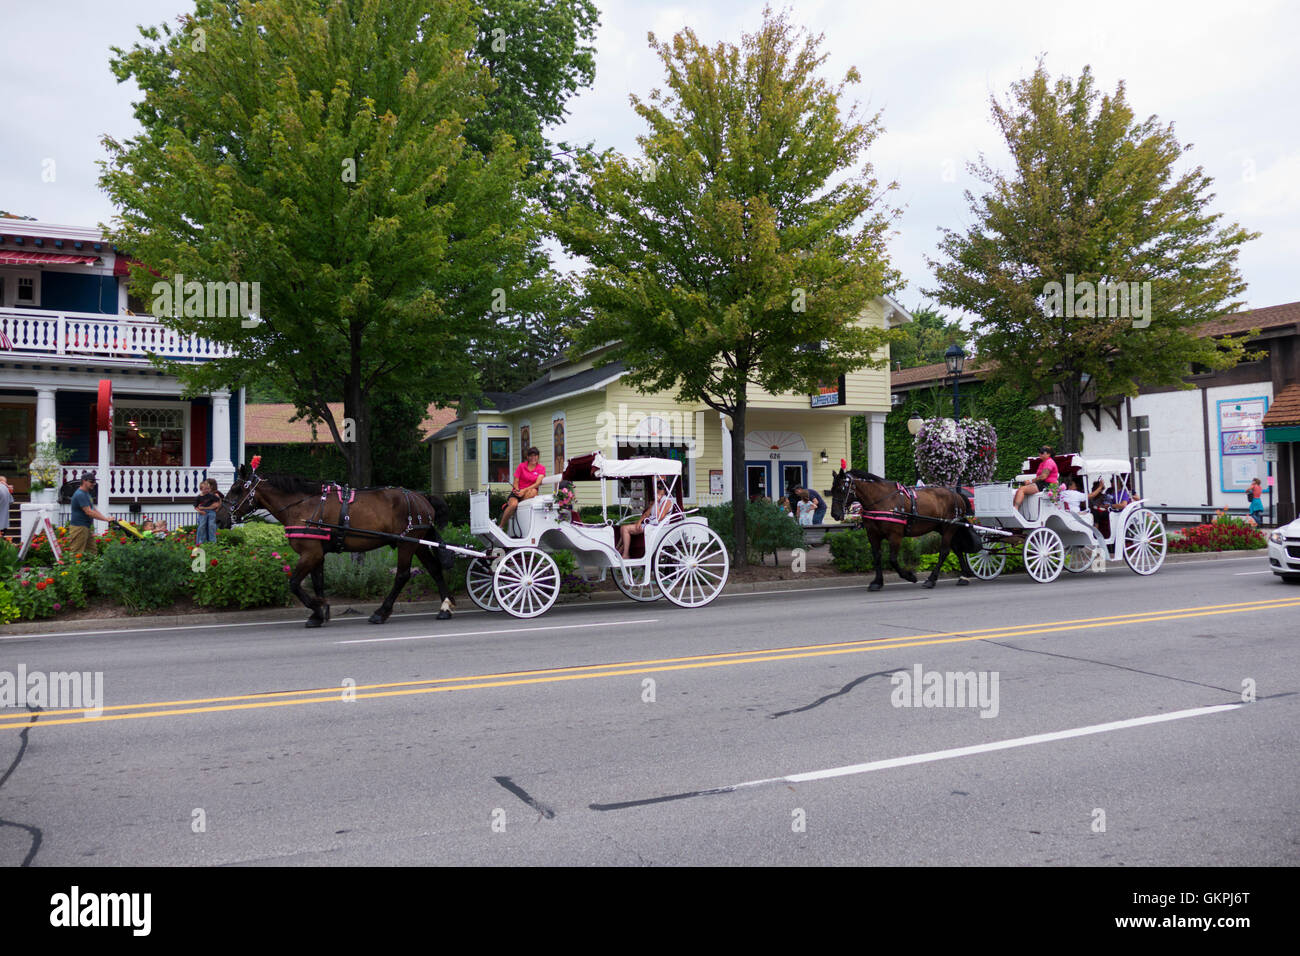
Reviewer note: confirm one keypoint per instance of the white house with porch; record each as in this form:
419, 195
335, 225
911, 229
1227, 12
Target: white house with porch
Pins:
66, 324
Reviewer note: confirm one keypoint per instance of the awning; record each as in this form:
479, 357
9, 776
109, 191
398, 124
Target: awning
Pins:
21, 257
1283, 433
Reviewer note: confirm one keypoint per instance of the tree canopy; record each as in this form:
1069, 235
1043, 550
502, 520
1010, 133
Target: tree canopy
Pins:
1090, 264
740, 249
925, 339
323, 152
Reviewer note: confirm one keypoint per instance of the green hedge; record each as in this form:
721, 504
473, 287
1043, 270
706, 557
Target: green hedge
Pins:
768, 529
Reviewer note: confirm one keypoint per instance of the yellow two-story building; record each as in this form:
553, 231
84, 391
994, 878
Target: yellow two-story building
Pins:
578, 407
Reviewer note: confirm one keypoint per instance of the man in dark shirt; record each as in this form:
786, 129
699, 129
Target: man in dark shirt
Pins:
81, 526
817, 501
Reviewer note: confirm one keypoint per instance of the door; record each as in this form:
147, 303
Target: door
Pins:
793, 473
17, 435
756, 480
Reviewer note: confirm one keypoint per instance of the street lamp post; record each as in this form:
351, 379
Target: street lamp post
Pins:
955, 358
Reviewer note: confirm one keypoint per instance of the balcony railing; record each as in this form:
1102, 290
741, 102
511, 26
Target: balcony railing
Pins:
142, 481
90, 333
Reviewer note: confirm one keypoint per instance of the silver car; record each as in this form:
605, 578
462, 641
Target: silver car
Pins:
1284, 551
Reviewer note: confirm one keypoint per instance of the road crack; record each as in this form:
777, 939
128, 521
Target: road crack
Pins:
33, 832
839, 693
1122, 667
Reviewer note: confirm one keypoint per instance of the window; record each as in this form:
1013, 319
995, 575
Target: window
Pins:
149, 436
557, 437
498, 459
471, 445
25, 290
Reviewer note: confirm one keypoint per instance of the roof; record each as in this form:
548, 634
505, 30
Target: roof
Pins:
539, 391
1285, 408
269, 424
926, 374
1269, 317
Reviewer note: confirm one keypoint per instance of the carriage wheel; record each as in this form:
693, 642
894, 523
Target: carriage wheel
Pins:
1078, 558
645, 592
1145, 542
526, 582
1044, 555
690, 565
478, 582
986, 564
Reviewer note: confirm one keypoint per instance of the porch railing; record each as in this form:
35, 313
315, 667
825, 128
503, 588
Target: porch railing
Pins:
90, 333
138, 481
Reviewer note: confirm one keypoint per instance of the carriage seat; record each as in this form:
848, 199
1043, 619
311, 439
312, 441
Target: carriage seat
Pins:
524, 517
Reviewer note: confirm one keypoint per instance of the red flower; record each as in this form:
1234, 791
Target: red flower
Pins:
41, 585
214, 562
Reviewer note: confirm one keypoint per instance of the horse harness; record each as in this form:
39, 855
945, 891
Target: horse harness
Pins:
905, 512
312, 530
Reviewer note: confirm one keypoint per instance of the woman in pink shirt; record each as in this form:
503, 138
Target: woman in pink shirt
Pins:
1047, 474
528, 478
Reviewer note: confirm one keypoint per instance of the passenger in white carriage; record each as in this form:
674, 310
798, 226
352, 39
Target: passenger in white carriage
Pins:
1075, 500
655, 514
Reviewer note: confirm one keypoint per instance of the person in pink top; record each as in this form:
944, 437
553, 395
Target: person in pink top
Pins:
528, 478
1047, 474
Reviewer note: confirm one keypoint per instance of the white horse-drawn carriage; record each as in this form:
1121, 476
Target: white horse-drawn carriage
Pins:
1061, 536
678, 557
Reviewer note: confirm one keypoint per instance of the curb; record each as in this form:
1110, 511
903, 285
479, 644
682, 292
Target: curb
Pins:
364, 609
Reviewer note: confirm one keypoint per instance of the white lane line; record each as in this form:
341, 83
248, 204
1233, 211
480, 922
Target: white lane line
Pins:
1238, 574
504, 630
990, 747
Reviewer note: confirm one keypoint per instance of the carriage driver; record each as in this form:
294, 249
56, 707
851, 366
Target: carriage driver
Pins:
528, 478
655, 514
1047, 474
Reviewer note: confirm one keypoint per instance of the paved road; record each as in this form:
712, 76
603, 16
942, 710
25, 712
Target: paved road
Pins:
766, 728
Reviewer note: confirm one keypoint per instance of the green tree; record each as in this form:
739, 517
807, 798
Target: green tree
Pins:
740, 251
319, 150
925, 339
1093, 198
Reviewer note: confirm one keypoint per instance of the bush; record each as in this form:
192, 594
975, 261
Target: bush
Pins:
851, 552
365, 575
1225, 533
74, 582
8, 559
34, 593
142, 575
767, 529
458, 502
261, 535
242, 576
8, 609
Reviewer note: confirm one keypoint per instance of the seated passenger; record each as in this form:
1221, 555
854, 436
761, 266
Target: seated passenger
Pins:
655, 514
1073, 498
1047, 474
1120, 497
528, 478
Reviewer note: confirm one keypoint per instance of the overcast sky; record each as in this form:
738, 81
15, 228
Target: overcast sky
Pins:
1224, 74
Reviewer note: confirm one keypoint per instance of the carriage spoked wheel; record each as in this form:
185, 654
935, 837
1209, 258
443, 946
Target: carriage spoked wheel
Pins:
1078, 558
638, 592
478, 582
690, 565
987, 564
1145, 542
1044, 555
526, 582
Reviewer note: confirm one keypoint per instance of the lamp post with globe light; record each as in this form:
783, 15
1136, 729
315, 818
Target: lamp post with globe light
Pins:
955, 359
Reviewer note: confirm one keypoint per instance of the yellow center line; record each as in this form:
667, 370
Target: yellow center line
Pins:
592, 671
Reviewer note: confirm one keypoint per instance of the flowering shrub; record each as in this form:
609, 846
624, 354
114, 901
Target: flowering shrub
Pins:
1225, 533
955, 454
241, 576
33, 593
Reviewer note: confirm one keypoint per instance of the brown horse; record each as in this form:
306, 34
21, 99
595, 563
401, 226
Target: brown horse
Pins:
296, 502
889, 509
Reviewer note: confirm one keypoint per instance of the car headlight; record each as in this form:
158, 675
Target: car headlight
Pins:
1276, 537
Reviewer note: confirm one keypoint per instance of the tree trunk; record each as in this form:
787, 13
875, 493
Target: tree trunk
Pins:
356, 409
1071, 415
739, 482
